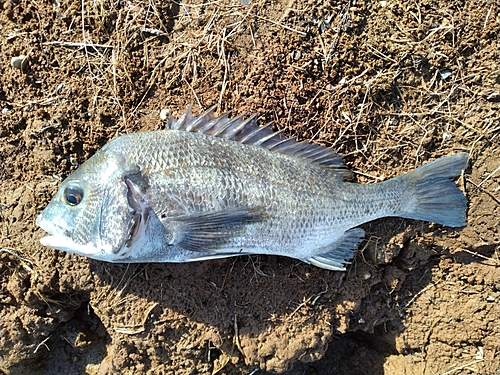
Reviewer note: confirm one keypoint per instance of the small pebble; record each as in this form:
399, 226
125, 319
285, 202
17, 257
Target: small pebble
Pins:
164, 114
446, 136
445, 73
490, 299
19, 62
296, 55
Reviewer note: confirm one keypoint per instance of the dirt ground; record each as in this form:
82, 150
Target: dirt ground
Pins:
389, 84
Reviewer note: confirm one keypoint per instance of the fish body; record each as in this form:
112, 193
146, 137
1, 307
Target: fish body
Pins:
211, 187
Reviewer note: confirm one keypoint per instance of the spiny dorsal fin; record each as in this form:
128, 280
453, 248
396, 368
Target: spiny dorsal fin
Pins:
247, 131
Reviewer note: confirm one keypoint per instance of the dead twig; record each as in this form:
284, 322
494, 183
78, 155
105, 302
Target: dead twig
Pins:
418, 294
43, 343
482, 256
489, 176
461, 367
484, 191
280, 25
236, 335
30, 264
137, 328
76, 44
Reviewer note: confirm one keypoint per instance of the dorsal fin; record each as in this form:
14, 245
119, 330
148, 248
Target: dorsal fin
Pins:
247, 131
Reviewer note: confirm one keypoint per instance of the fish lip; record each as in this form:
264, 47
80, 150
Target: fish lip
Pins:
64, 244
56, 240
48, 226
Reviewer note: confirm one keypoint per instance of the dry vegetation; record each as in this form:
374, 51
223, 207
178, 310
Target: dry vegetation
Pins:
389, 84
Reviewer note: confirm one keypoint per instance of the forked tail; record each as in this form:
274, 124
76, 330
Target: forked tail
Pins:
432, 196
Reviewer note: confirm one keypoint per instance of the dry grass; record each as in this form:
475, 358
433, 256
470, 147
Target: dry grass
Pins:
388, 96
385, 114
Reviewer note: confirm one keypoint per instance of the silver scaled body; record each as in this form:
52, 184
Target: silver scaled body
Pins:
210, 187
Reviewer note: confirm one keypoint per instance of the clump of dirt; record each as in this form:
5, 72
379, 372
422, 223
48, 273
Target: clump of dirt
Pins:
389, 84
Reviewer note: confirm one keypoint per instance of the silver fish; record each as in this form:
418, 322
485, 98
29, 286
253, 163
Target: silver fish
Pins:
211, 187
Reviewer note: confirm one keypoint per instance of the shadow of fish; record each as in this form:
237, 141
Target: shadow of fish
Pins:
211, 187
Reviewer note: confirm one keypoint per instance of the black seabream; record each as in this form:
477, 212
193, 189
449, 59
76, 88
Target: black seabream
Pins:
211, 187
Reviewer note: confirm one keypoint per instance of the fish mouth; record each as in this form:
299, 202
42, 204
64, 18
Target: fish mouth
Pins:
48, 226
58, 241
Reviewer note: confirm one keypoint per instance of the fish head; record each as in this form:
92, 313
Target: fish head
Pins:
90, 214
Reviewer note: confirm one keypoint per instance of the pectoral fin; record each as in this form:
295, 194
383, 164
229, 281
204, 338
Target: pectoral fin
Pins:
208, 231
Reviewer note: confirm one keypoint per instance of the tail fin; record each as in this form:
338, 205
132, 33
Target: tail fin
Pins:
433, 197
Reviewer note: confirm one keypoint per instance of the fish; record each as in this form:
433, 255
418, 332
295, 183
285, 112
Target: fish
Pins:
210, 187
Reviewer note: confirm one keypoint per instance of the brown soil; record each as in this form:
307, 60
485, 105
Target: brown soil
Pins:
390, 84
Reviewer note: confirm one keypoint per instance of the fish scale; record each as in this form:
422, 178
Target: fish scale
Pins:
209, 187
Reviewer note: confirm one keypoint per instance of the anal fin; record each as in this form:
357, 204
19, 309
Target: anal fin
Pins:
335, 255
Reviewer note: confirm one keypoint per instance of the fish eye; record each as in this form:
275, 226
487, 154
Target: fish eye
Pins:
73, 195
